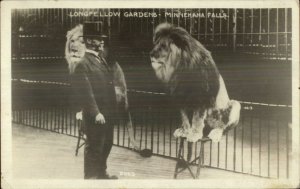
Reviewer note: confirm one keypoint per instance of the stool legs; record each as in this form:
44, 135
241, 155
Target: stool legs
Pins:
183, 164
200, 162
80, 136
179, 157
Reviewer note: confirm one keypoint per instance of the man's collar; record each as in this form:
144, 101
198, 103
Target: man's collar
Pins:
96, 54
92, 52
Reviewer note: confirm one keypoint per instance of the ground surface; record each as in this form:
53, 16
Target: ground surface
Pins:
41, 154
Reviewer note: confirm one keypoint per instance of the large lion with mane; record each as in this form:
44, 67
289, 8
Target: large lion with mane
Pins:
192, 78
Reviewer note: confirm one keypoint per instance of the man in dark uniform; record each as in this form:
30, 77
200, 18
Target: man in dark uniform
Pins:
94, 89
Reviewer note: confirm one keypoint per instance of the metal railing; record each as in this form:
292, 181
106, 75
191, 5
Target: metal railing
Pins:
263, 32
260, 145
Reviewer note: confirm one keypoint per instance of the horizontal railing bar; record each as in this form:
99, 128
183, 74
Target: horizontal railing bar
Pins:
144, 92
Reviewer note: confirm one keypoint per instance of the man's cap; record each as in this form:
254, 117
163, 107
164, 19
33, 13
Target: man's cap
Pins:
93, 29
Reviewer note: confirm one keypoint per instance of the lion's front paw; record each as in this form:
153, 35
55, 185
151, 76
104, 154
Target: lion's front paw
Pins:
180, 132
216, 134
194, 135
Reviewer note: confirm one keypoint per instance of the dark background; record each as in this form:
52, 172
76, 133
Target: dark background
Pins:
251, 47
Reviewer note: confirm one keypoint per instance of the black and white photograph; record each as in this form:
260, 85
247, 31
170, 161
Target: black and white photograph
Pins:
122, 93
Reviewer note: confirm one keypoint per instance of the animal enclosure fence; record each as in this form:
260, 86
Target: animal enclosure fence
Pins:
260, 145
38, 35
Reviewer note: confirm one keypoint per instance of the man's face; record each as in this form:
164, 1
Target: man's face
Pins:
97, 44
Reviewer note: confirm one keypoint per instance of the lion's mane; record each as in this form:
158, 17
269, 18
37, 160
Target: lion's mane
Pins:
195, 81
75, 47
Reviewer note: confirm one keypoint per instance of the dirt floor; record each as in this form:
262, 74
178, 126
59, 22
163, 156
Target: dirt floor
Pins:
40, 154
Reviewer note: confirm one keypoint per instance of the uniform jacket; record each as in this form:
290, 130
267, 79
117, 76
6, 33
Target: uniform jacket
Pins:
93, 86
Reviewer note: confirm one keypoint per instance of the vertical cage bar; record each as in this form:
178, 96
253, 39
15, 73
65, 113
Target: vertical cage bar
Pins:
43, 118
268, 35
234, 29
30, 118
195, 150
118, 131
198, 26
56, 120
252, 18
40, 117
244, 27
285, 32
159, 120
176, 146
259, 143
242, 153
287, 152
251, 145
277, 33
205, 30
220, 37
260, 34
61, 117
62, 17
170, 134
277, 131
185, 19
134, 126
210, 153
74, 122
124, 131
226, 151
119, 22
164, 136
25, 120
213, 29
141, 140
234, 148
218, 164
228, 31
47, 118
68, 123
64, 120
268, 148
128, 137
146, 127
152, 130
191, 24
153, 20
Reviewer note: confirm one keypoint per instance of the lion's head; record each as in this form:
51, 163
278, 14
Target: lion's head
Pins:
75, 47
184, 65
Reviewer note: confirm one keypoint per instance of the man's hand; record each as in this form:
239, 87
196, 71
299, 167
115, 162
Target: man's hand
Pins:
100, 119
79, 115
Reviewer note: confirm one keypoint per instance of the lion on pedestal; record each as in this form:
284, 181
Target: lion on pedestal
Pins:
192, 78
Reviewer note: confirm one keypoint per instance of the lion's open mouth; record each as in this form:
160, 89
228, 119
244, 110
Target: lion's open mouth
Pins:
157, 65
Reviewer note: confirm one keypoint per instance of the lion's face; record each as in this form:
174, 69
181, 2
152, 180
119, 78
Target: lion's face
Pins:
75, 47
165, 57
